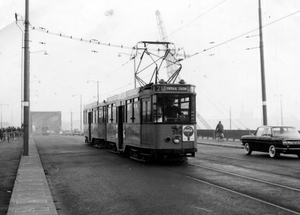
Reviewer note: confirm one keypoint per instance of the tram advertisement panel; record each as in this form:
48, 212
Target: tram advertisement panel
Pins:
188, 133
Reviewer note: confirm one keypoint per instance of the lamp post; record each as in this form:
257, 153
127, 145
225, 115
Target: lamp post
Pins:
281, 109
45, 52
1, 111
97, 89
281, 114
131, 57
80, 111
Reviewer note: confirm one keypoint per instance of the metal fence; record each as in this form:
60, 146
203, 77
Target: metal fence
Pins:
228, 134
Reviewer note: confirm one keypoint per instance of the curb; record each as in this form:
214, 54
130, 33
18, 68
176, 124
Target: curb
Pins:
222, 145
31, 194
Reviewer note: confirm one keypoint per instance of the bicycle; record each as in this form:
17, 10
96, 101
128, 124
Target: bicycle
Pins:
219, 136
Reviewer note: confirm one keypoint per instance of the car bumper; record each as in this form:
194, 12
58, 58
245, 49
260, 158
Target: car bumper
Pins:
288, 150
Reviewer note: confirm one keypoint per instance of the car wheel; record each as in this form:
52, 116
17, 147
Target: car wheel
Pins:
248, 149
272, 152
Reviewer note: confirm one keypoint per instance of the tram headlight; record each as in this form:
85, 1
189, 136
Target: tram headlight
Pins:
176, 139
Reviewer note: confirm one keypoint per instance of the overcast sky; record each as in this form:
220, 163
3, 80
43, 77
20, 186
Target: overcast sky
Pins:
227, 76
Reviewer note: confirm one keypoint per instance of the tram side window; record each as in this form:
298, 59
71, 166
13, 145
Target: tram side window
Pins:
100, 115
146, 110
114, 113
157, 110
93, 116
129, 111
97, 115
109, 114
105, 114
136, 111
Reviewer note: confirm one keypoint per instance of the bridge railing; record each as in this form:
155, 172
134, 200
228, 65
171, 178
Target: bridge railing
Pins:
228, 134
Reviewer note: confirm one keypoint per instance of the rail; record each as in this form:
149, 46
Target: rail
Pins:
229, 134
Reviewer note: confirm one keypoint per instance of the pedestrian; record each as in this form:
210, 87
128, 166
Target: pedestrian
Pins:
8, 133
1, 134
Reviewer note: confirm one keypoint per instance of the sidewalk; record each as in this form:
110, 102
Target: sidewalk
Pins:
31, 194
224, 143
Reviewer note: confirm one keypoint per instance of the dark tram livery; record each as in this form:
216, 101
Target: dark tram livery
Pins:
156, 120
153, 121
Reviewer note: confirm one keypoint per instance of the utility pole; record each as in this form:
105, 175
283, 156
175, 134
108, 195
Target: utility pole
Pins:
71, 122
262, 67
26, 103
281, 110
97, 89
230, 117
80, 113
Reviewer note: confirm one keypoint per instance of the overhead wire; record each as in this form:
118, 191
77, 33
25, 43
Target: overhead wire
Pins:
195, 19
96, 42
234, 38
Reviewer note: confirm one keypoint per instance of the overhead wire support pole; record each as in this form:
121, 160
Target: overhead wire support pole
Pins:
262, 67
26, 104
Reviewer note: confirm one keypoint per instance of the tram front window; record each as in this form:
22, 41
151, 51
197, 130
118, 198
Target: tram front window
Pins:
171, 108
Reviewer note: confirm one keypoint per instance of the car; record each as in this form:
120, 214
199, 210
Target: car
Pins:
67, 132
273, 140
76, 132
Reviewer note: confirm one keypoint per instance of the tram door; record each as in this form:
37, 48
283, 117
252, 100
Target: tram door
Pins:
90, 117
120, 126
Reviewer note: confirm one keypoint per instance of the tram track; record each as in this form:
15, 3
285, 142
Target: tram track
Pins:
266, 170
277, 198
281, 196
245, 195
232, 158
249, 178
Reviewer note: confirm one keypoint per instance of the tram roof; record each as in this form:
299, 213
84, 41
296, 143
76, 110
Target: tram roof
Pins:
154, 88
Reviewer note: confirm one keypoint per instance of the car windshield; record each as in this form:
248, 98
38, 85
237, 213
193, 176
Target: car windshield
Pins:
285, 131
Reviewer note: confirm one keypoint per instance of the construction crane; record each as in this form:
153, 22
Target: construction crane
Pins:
171, 68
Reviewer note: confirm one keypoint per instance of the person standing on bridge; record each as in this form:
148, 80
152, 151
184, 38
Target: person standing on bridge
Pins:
219, 131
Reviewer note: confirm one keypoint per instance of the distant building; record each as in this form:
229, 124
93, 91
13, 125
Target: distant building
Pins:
42, 119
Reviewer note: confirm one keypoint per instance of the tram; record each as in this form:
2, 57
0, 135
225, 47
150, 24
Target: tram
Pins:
154, 121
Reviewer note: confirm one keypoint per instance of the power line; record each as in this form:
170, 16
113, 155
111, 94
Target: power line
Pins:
234, 38
195, 19
92, 41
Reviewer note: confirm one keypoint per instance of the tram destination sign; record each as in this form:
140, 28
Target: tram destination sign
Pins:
176, 88
172, 88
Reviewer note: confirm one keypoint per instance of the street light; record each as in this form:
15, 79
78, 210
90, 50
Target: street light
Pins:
1, 112
80, 111
45, 52
131, 58
122, 53
97, 89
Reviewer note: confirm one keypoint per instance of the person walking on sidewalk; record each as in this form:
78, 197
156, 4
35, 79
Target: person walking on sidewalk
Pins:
219, 131
8, 133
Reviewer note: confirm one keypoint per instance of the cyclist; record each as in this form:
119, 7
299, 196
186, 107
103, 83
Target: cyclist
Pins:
219, 131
